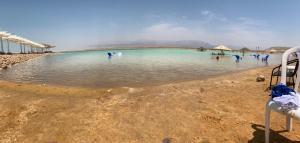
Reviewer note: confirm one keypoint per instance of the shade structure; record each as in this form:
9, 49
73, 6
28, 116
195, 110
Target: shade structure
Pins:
23, 42
222, 48
3, 34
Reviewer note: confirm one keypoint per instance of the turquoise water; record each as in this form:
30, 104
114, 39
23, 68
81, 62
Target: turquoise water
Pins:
133, 68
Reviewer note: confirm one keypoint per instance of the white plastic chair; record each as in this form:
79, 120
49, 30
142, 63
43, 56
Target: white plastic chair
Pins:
271, 105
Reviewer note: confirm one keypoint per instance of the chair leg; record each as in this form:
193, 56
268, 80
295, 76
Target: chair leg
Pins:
267, 123
293, 82
289, 123
271, 82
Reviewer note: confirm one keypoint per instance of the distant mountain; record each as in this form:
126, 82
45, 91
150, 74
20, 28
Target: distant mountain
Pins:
153, 43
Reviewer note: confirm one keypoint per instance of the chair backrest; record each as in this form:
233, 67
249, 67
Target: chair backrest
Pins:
284, 66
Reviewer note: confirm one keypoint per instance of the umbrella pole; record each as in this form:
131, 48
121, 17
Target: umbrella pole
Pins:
24, 46
21, 48
8, 51
2, 50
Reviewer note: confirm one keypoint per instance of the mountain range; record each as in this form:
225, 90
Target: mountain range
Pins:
153, 43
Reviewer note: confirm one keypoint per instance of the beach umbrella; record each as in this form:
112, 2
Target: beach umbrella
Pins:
39, 46
3, 34
30, 43
16, 39
20, 40
7, 42
48, 46
222, 48
245, 49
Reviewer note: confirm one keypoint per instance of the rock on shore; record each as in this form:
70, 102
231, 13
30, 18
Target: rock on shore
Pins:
8, 60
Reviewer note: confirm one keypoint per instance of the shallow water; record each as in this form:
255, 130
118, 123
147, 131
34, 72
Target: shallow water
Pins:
137, 67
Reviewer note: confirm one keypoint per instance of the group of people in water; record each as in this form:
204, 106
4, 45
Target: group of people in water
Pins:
263, 59
239, 58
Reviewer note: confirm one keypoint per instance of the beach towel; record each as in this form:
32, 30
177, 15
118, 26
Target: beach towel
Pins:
285, 97
280, 90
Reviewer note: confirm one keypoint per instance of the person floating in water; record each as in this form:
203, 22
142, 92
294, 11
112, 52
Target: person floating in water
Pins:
237, 58
217, 58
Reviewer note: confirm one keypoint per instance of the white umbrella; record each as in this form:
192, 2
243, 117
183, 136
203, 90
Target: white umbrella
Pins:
3, 34
19, 40
16, 39
222, 48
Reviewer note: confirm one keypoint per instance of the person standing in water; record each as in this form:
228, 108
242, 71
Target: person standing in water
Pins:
237, 58
109, 55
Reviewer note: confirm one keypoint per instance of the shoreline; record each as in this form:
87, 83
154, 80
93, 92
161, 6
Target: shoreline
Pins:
138, 86
7, 61
211, 110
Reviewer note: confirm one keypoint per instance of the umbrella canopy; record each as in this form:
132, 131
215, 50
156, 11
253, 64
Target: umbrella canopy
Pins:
48, 45
21, 40
4, 34
245, 49
14, 38
222, 48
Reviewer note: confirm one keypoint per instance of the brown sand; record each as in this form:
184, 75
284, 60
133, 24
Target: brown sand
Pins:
228, 108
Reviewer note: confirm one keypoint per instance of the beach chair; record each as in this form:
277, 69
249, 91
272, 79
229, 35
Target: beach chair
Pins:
291, 73
271, 105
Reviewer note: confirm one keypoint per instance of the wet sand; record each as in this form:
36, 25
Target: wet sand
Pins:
227, 108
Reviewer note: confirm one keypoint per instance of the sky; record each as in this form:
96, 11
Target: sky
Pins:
81, 24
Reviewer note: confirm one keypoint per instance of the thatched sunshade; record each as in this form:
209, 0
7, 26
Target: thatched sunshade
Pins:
245, 49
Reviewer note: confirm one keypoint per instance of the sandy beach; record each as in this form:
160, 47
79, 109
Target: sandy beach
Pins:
226, 108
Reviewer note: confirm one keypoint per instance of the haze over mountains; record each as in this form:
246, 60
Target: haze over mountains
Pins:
155, 43
171, 44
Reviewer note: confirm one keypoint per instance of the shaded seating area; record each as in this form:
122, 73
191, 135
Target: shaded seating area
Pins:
291, 73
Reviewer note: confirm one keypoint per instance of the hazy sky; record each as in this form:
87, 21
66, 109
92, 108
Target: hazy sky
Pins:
78, 24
